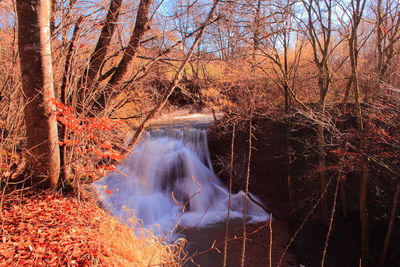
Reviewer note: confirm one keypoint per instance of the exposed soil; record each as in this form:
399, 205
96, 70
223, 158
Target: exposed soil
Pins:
268, 170
269, 181
257, 246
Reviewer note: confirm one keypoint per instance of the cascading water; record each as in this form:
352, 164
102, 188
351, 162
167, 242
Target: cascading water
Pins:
168, 180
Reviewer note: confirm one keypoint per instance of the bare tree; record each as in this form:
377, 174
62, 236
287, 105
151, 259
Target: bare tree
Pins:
90, 76
355, 14
37, 79
175, 81
141, 26
388, 34
319, 33
283, 47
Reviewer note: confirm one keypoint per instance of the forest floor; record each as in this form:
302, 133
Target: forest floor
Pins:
45, 228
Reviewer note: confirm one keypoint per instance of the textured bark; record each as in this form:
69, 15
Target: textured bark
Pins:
141, 26
37, 83
91, 75
53, 16
256, 36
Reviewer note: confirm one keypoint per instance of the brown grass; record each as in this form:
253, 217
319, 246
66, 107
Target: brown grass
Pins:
47, 229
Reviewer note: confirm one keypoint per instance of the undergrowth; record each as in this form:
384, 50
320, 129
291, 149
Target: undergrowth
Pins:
44, 228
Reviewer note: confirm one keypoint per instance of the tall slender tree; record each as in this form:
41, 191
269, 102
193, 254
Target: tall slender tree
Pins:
387, 35
141, 26
319, 33
34, 44
356, 14
90, 76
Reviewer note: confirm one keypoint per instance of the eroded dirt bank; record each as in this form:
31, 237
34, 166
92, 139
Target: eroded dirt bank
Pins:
271, 175
258, 249
268, 182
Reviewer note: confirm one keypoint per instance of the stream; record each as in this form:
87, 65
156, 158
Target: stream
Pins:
169, 183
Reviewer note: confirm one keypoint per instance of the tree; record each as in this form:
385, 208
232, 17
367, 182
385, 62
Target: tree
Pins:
355, 14
175, 81
34, 46
319, 33
90, 77
141, 26
388, 34
283, 49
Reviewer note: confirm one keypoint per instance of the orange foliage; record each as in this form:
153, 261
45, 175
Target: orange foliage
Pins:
46, 229
84, 137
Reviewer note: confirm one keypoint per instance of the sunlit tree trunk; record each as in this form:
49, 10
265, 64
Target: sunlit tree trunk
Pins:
90, 77
141, 26
53, 16
37, 83
256, 37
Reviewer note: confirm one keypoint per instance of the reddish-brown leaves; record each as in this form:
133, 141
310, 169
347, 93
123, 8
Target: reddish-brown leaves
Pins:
45, 229
84, 138
108, 191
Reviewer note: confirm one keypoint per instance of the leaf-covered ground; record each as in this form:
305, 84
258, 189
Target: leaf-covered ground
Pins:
44, 228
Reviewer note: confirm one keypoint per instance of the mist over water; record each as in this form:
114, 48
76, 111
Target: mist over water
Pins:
168, 180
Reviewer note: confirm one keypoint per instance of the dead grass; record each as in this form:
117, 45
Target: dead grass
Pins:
44, 228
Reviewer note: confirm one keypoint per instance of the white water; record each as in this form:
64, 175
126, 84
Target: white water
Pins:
168, 180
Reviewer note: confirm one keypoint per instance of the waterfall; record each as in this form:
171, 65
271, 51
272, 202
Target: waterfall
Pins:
168, 180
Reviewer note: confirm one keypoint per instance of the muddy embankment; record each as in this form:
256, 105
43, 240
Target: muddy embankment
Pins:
268, 183
268, 168
270, 175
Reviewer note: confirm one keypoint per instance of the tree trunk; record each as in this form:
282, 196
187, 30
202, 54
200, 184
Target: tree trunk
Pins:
256, 36
392, 218
53, 17
363, 200
321, 46
90, 77
379, 40
324, 83
322, 175
363, 188
63, 99
37, 82
141, 26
